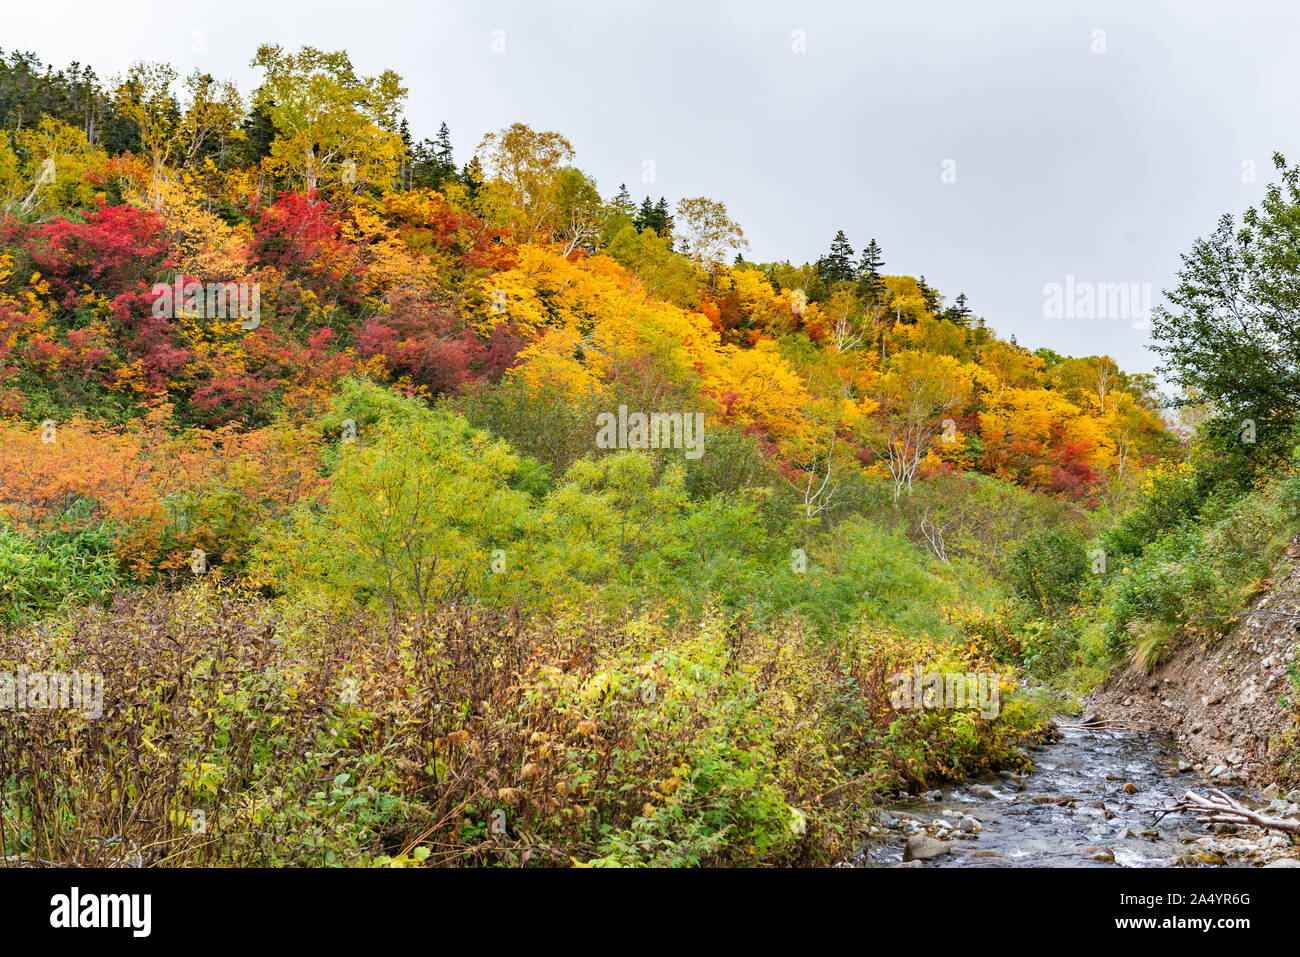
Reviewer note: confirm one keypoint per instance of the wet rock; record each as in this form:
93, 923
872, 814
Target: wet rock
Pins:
1125, 833
1130, 788
1284, 862
980, 791
935, 795
912, 864
1293, 796
986, 853
1097, 853
1184, 765
921, 848
969, 825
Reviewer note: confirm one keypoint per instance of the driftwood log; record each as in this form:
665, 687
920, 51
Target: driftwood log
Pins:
1221, 809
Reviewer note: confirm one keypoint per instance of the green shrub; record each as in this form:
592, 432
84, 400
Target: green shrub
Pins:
1047, 569
43, 570
1196, 577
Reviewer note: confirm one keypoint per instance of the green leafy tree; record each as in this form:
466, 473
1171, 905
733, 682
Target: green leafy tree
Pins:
1231, 331
330, 122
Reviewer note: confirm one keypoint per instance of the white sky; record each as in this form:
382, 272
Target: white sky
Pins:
1104, 166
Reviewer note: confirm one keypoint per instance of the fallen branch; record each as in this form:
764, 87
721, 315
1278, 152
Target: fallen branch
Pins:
1093, 723
1221, 809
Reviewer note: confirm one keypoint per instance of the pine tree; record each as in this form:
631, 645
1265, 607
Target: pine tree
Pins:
664, 218
408, 158
623, 202
837, 265
871, 284
645, 217
442, 155
959, 311
930, 295
259, 132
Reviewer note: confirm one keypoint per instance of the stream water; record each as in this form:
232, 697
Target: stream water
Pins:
1073, 809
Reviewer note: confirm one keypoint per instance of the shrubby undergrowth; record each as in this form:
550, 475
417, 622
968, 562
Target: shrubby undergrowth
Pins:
236, 732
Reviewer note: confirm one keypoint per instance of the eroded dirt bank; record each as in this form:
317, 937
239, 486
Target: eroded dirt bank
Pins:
1222, 705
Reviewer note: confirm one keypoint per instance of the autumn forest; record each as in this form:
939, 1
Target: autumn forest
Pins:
425, 509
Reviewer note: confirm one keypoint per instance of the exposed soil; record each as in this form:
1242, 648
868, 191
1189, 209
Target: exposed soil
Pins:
1221, 705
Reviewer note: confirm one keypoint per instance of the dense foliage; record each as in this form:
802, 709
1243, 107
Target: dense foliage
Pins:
300, 451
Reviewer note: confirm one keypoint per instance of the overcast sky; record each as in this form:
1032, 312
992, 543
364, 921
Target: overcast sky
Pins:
805, 118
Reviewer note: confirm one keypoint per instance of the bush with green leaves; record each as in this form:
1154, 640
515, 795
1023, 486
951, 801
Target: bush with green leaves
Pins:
1048, 568
1197, 577
43, 570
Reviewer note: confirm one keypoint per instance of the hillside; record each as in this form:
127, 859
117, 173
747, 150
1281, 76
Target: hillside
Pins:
415, 509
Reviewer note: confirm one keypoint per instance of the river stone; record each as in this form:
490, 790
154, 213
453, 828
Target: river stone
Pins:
912, 864
922, 848
1293, 796
969, 825
1284, 862
1097, 854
